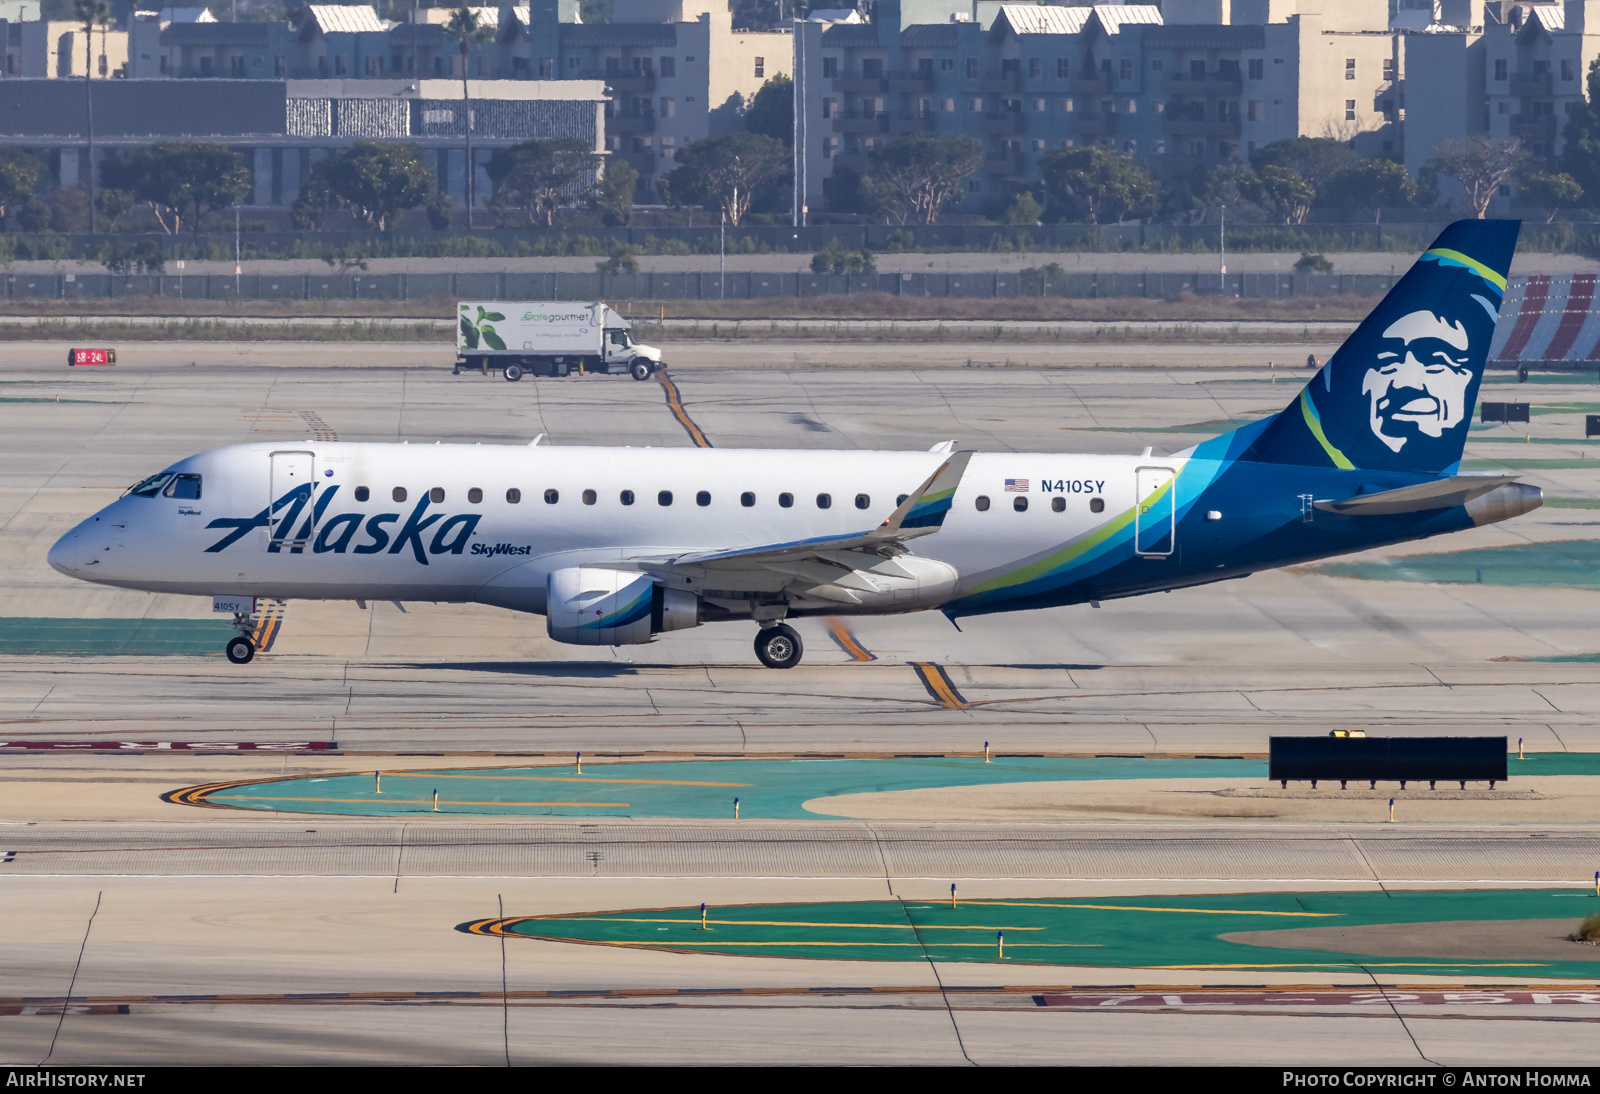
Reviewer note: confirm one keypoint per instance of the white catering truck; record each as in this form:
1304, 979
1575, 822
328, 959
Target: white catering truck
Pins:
548, 338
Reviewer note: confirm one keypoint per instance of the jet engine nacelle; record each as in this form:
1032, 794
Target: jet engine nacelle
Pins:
588, 606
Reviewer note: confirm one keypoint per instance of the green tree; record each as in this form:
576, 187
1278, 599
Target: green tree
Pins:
1284, 193
622, 260
613, 196
374, 180
1096, 185
1024, 209
1315, 159
1580, 155
836, 258
1481, 164
915, 176
179, 182
466, 31
1549, 191
771, 110
726, 172
538, 177
19, 178
1373, 186
594, 11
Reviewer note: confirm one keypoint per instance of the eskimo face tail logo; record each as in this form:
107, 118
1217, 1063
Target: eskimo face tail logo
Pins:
1418, 385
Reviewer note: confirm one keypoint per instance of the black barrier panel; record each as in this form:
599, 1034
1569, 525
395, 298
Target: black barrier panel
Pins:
1390, 759
1503, 412
1591, 425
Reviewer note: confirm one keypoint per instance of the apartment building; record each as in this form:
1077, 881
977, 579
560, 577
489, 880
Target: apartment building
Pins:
56, 49
1187, 85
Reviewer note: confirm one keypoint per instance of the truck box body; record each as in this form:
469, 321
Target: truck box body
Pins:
548, 338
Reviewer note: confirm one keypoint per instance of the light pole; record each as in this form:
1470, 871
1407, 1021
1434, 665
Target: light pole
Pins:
722, 257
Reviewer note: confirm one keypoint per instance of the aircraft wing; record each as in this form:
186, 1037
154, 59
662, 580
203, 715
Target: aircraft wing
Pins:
834, 564
1439, 494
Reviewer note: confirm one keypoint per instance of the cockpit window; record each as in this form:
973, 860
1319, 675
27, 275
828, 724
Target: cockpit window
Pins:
183, 486
150, 487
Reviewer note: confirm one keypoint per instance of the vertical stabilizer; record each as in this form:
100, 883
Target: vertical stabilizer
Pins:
1398, 394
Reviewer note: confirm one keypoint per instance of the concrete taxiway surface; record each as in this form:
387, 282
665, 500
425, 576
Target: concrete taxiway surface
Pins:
221, 936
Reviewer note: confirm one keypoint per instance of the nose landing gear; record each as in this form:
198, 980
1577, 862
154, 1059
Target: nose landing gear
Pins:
779, 647
240, 650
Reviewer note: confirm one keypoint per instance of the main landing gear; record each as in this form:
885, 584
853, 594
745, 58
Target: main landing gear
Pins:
779, 647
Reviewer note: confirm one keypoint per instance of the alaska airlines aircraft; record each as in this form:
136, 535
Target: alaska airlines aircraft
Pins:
616, 545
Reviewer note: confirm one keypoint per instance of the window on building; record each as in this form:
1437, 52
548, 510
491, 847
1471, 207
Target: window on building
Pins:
1197, 70
669, 107
1158, 66
1066, 106
972, 68
830, 108
924, 108
830, 68
1505, 108
1349, 68
949, 106
1125, 69
1349, 110
1541, 68
1063, 68
1038, 146
975, 105
1257, 68
1566, 71
573, 63
1131, 106
974, 186
689, 60
1009, 65
1038, 105
761, 68
1388, 109
1228, 69
1388, 68
830, 145
925, 68
872, 67
483, 66
1129, 147
1159, 147
644, 66
1035, 67
1500, 69
669, 146
339, 67
669, 66
947, 64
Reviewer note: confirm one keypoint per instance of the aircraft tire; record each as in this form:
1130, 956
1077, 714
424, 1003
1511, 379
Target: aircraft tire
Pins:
779, 647
240, 650
513, 373
640, 369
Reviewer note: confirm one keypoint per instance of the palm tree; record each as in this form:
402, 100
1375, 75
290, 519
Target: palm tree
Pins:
465, 30
92, 13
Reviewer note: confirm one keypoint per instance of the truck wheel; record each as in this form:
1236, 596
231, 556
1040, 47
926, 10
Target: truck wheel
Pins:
640, 369
513, 373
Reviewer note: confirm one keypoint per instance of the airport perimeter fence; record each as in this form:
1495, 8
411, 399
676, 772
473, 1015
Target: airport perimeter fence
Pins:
683, 286
1397, 238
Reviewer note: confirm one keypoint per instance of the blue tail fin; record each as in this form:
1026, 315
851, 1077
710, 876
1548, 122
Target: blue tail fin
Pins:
1398, 394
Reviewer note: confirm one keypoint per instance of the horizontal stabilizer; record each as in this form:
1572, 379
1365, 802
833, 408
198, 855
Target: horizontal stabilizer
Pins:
1439, 494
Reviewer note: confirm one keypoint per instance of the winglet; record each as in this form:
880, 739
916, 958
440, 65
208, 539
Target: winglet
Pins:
926, 506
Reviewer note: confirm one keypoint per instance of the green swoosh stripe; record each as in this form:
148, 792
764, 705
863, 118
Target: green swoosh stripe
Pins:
1470, 263
1309, 411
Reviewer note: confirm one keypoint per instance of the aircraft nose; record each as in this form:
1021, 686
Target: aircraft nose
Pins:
62, 556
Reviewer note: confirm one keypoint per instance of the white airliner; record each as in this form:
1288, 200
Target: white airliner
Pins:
616, 545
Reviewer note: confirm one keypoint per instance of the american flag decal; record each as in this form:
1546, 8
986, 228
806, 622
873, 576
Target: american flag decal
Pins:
1016, 486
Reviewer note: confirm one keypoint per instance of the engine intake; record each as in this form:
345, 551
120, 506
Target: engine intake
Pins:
588, 606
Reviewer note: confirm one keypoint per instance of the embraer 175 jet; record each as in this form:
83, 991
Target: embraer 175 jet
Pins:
616, 545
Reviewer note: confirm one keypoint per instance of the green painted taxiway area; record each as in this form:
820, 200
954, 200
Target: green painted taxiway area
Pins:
1570, 563
1183, 932
771, 789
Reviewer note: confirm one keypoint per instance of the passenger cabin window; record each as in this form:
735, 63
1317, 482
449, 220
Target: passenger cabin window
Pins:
513, 496
1058, 505
785, 501
1020, 503
590, 497
552, 496
362, 493
824, 501
747, 499
982, 502
186, 487
626, 497
150, 487
863, 501
1097, 505
664, 498
436, 495
703, 498
474, 496
398, 493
